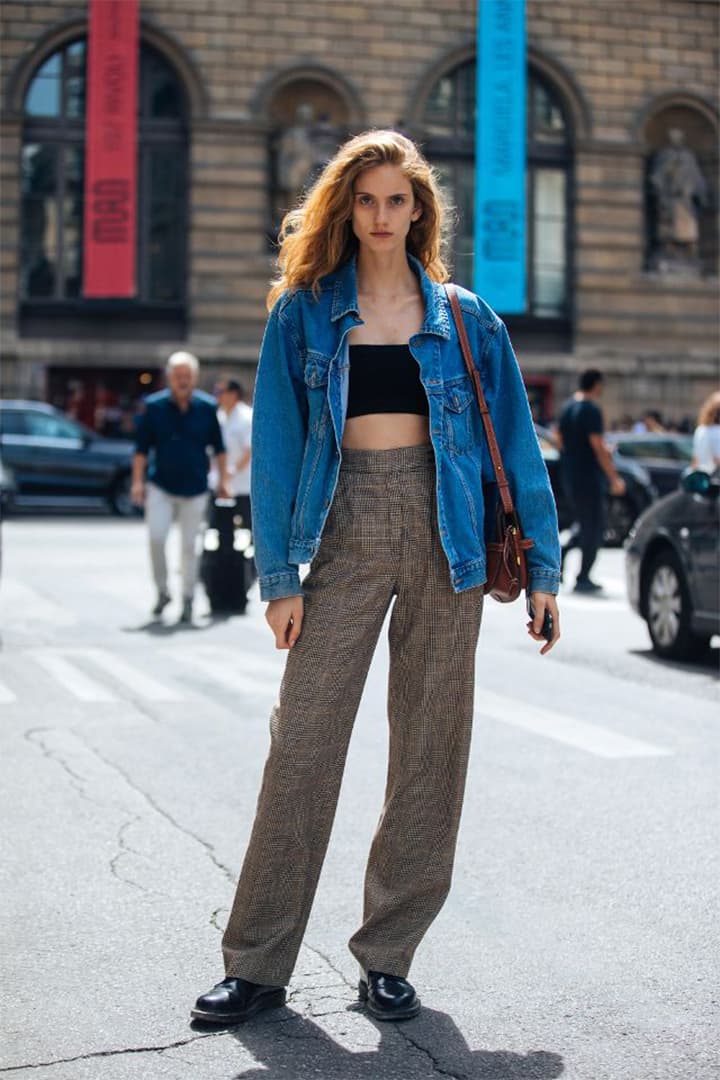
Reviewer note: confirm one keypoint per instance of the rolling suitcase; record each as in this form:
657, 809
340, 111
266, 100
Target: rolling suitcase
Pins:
227, 569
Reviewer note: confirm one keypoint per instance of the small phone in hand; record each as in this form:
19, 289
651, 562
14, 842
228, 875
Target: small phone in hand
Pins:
548, 626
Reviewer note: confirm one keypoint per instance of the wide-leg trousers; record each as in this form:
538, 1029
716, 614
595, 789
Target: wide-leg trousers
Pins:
381, 543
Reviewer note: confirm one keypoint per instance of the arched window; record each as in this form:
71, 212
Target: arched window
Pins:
53, 159
448, 127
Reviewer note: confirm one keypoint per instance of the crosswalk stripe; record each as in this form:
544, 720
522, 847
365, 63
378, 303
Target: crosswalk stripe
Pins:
252, 663
226, 673
579, 734
237, 672
21, 602
71, 677
598, 604
130, 676
6, 695
134, 593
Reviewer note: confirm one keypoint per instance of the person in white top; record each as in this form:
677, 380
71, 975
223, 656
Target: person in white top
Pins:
235, 417
706, 440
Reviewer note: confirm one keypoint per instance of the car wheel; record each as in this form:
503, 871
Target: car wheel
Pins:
622, 512
668, 609
119, 499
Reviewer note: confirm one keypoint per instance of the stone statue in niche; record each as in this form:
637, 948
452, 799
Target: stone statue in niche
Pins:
678, 192
301, 151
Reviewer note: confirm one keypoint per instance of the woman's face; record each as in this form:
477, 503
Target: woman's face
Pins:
384, 208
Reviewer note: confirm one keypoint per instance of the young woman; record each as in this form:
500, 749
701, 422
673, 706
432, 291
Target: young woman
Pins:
368, 462
706, 439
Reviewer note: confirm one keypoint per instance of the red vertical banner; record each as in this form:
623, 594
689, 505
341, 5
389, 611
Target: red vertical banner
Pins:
111, 149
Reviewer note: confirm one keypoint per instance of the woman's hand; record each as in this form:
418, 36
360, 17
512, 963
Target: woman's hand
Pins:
285, 618
543, 602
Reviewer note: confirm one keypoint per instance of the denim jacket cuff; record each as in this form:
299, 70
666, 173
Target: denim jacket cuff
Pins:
544, 581
277, 586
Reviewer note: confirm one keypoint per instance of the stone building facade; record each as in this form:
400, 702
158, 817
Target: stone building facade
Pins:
226, 87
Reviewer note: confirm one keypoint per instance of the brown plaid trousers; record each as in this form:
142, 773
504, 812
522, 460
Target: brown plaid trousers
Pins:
381, 541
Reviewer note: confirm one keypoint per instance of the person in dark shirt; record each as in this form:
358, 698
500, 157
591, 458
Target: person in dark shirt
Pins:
587, 471
174, 433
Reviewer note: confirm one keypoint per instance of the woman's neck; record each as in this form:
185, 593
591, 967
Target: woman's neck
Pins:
384, 276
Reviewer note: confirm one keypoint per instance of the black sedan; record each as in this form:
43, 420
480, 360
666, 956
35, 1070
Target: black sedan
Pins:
48, 459
640, 492
672, 563
665, 455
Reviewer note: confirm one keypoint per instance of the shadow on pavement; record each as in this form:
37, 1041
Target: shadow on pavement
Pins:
292, 1046
158, 628
706, 664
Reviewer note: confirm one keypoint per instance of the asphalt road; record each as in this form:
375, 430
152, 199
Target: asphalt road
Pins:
580, 938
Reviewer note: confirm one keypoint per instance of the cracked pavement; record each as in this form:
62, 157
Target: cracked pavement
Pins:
126, 819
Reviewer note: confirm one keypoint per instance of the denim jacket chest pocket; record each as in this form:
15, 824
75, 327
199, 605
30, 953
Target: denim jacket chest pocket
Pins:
458, 413
315, 373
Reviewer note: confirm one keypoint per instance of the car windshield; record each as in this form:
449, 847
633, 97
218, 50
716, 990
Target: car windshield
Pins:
50, 426
679, 449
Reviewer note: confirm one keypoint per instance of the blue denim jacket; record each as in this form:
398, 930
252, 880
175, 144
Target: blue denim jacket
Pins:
299, 415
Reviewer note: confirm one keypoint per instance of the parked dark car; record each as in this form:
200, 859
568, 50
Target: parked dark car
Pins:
47, 458
672, 564
665, 456
622, 509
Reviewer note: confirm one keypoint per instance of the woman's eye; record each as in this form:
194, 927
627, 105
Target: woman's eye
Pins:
398, 200
365, 200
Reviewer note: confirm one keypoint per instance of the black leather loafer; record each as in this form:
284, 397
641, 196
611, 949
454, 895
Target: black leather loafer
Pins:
235, 1000
161, 603
388, 997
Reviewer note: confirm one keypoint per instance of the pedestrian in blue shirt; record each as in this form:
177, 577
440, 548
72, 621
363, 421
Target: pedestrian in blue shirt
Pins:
369, 461
175, 433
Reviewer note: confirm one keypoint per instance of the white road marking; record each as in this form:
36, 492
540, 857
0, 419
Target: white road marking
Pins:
6, 695
133, 593
580, 734
130, 676
253, 663
20, 603
598, 604
224, 668
71, 677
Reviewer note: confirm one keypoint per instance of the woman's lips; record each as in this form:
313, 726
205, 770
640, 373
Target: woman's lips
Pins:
381, 234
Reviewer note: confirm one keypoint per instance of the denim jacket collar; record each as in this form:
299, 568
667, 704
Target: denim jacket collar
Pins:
344, 302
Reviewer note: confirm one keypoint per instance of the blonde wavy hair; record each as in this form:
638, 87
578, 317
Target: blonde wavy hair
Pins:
710, 410
316, 237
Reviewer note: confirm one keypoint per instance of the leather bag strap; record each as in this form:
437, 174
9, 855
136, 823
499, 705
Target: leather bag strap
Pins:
503, 485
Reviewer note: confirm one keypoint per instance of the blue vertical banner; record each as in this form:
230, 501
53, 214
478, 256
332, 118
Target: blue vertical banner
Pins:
499, 267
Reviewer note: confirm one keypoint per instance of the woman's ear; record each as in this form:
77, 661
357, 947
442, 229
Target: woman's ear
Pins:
417, 212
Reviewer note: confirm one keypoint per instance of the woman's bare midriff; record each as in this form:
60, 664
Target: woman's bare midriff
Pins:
385, 431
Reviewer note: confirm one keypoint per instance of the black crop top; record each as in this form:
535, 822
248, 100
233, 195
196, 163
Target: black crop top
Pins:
385, 379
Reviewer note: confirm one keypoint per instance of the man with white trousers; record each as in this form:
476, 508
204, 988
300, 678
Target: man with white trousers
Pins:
176, 430
235, 417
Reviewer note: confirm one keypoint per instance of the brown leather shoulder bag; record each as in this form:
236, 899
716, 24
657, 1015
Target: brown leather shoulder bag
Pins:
507, 572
